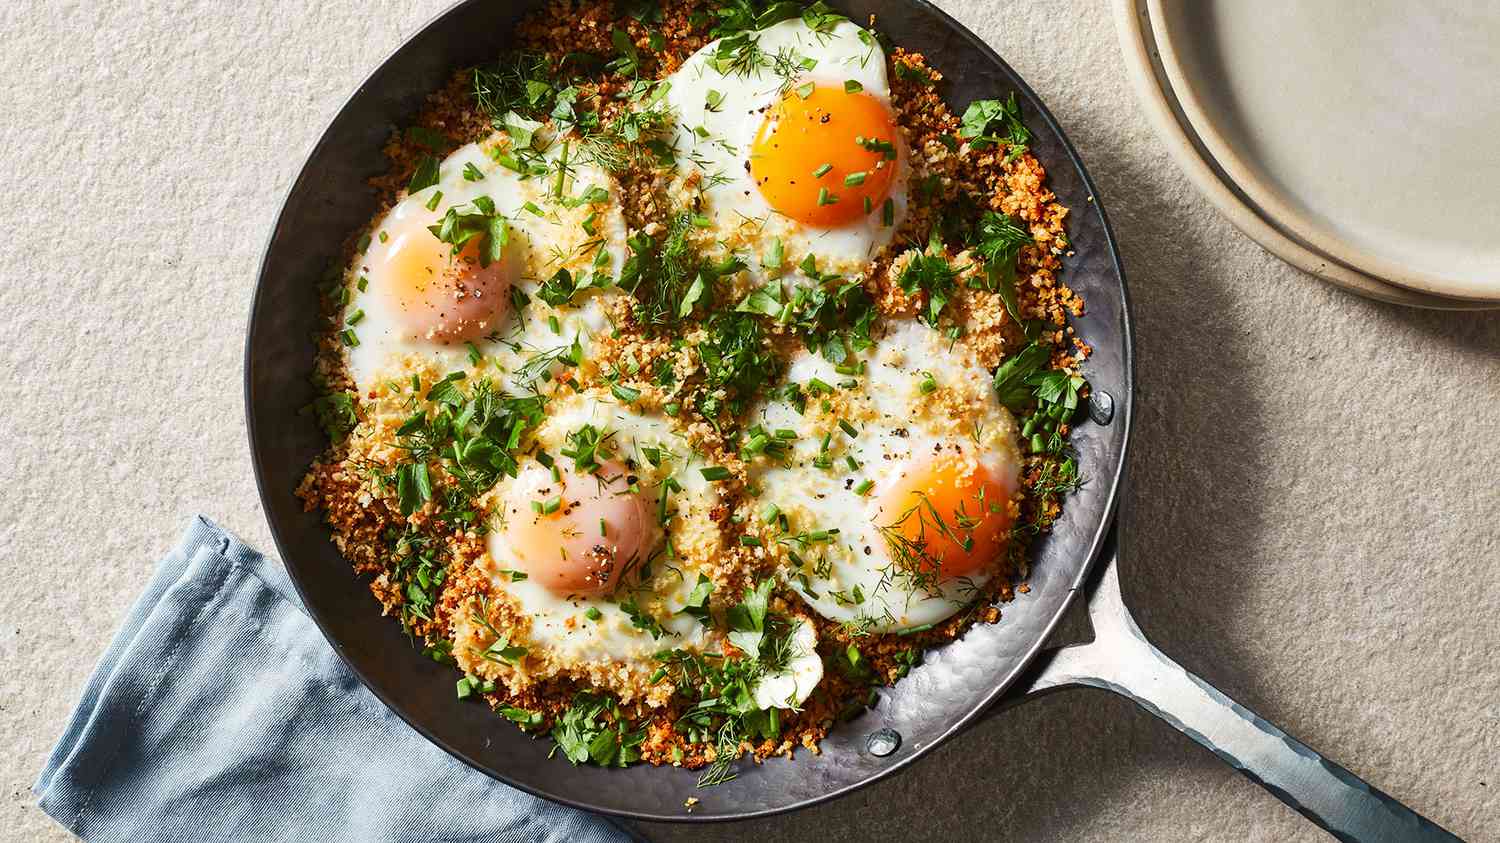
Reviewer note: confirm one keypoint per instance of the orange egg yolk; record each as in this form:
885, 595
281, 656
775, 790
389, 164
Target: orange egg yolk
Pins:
946, 516
436, 294
825, 159
578, 535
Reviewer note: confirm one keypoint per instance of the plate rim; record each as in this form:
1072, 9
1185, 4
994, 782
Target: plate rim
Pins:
1132, 23
1275, 207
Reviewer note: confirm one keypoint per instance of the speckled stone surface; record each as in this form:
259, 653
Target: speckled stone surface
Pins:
1313, 521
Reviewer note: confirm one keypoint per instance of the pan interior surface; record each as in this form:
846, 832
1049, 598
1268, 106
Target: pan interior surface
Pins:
330, 198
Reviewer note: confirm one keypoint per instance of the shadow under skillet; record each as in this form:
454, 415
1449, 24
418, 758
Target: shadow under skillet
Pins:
1191, 506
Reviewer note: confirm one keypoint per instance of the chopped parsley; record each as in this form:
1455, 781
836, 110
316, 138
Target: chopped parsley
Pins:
593, 729
478, 221
930, 273
988, 122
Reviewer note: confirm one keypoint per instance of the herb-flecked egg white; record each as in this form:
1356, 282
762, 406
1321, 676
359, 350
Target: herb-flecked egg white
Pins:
888, 494
787, 139
459, 268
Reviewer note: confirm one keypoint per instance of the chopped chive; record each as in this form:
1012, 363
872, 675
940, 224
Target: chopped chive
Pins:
384, 237
363, 243
822, 170
852, 86
852, 463
355, 317
702, 221
588, 223
471, 172
869, 205
714, 100
552, 504
769, 514
826, 198
593, 613
886, 149
624, 393
888, 212
864, 487
349, 338
474, 355
749, 541
775, 256
854, 179
715, 473
848, 428
437, 196
533, 208
363, 283
553, 323
928, 384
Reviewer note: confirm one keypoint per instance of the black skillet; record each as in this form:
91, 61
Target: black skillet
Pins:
988, 668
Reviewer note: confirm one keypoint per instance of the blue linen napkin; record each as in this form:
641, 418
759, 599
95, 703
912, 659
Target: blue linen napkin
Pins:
220, 713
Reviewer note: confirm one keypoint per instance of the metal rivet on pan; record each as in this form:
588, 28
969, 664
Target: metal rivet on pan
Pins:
883, 742
1101, 407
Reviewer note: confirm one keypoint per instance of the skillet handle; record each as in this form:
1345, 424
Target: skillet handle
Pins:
1120, 659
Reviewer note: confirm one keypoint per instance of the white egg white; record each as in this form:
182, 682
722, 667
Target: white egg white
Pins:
791, 685
719, 111
850, 575
547, 233
560, 623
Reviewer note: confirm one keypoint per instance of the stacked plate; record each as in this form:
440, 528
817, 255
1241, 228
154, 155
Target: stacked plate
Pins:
1360, 143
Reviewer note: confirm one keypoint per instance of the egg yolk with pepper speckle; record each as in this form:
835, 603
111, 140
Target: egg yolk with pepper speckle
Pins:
825, 156
576, 532
436, 294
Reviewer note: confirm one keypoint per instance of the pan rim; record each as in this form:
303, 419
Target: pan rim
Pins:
1124, 415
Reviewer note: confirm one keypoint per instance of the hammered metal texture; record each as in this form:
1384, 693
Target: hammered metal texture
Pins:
330, 197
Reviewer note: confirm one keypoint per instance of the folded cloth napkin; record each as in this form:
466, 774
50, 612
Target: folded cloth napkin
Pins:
220, 713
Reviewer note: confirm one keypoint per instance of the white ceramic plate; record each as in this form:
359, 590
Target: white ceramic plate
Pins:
1161, 108
1370, 131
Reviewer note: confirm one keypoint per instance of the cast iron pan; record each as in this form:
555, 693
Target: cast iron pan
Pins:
991, 665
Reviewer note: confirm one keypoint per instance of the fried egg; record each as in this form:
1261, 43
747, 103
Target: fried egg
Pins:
792, 146
890, 492
595, 546
410, 294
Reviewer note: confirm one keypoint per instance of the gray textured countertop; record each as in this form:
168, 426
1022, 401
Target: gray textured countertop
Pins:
1313, 521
